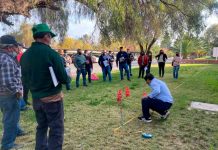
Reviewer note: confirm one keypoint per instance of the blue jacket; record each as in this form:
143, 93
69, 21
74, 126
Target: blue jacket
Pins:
103, 58
122, 58
160, 91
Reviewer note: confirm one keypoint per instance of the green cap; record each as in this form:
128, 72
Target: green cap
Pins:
39, 28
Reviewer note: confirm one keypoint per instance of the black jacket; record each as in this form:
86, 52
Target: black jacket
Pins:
164, 57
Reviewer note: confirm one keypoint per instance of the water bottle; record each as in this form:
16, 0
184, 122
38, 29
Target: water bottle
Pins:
147, 135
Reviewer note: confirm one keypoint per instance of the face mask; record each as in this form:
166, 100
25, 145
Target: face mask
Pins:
79, 53
14, 54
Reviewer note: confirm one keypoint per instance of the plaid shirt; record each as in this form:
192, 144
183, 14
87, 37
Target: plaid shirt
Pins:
10, 75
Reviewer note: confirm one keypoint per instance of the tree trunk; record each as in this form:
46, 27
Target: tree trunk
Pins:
141, 46
151, 44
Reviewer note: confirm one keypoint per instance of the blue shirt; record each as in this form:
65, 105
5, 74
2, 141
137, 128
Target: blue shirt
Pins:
160, 91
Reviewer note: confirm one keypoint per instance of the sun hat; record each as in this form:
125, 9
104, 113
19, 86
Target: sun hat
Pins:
42, 28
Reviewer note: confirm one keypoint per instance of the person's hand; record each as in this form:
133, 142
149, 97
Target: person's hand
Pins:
19, 95
144, 97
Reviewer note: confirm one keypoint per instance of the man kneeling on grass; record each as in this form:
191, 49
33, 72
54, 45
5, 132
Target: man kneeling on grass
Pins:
159, 100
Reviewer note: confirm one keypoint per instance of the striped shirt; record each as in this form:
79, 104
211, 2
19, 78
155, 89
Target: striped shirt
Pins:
10, 75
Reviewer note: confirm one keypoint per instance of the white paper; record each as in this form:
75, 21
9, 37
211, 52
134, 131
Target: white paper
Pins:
53, 76
106, 63
146, 68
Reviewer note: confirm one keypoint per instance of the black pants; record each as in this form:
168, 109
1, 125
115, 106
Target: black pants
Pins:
25, 93
141, 71
161, 66
88, 71
156, 105
148, 68
49, 115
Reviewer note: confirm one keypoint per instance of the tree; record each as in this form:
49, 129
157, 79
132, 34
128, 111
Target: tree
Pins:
211, 35
166, 41
190, 45
68, 43
24, 34
142, 21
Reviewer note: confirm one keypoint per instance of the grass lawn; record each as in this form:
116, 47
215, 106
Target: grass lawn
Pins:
92, 114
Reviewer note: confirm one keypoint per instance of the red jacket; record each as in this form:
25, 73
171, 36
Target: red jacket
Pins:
19, 56
140, 60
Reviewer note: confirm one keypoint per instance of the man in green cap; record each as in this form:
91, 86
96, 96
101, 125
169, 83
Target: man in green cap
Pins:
43, 73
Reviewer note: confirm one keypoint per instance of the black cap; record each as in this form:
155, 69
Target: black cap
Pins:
7, 40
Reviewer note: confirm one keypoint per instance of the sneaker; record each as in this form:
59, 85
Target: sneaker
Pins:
165, 116
85, 85
145, 120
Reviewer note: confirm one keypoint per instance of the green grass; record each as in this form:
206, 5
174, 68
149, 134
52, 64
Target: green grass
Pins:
92, 114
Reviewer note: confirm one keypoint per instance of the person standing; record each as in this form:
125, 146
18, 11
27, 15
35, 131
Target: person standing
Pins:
80, 64
159, 100
104, 62
11, 91
149, 55
176, 65
129, 61
66, 64
122, 58
161, 58
142, 62
38, 63
111, 59
89, 64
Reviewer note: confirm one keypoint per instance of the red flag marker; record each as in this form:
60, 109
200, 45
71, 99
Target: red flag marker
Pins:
145, 94
127, 92
119, 96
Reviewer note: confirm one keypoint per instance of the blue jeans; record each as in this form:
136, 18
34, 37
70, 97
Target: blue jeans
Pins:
79, 72
68, 85
106, 71
22, 104
125, 67
130, 68
49, 116
11, 114
176, 72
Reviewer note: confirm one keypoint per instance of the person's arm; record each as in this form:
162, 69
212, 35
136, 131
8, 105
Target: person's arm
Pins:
99, 61
146, 60
11, 78
75, 62
166, 57
117, 59
91, 62
24, 71
59, 69
157, 56
155, 90
139, 60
